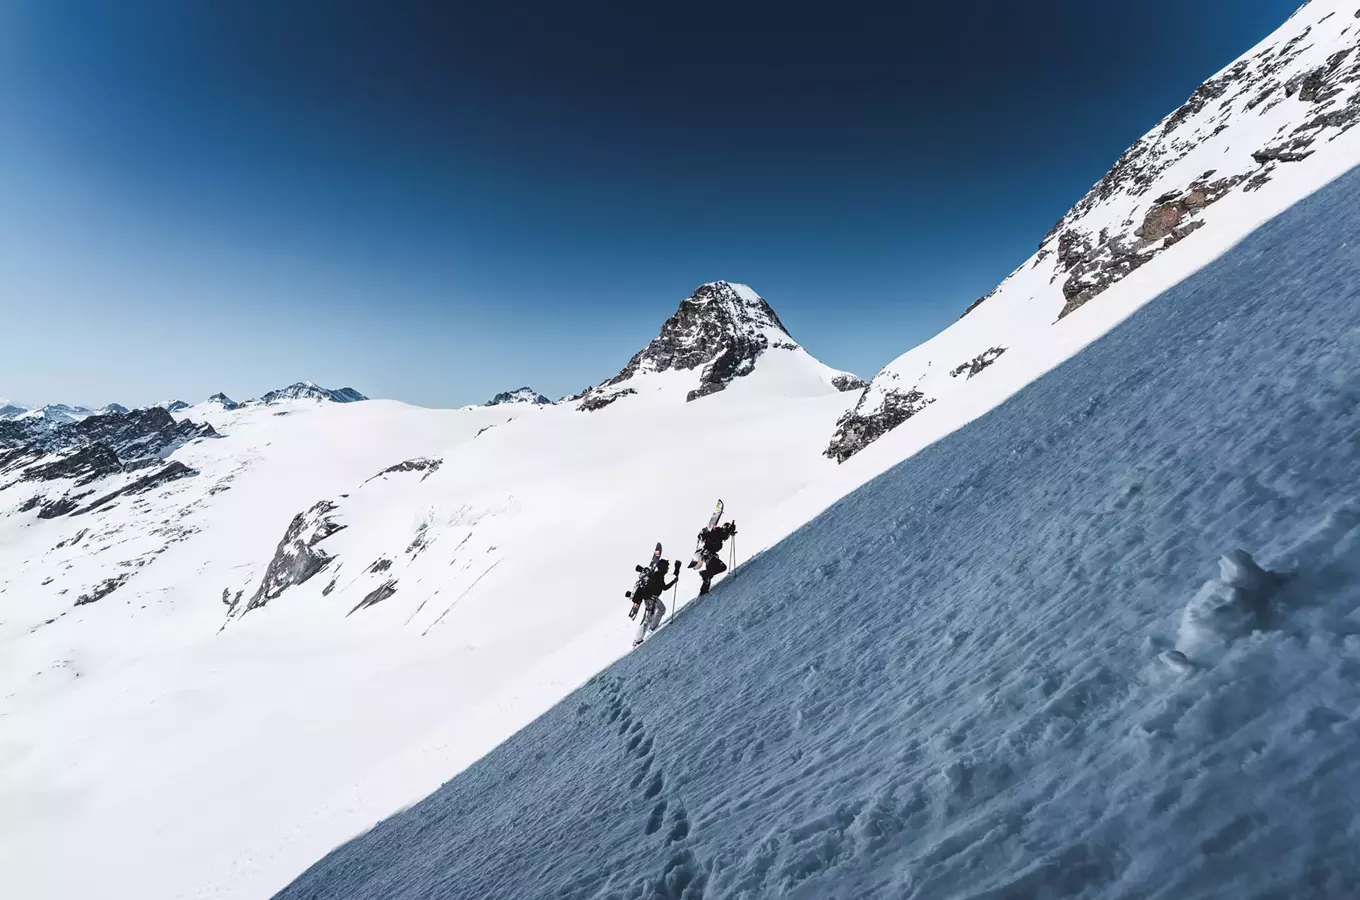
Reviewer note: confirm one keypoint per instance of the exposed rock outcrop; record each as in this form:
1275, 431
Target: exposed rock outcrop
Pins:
519, 395
297, 557
84, 465
419, 464
599, 399
861, 426
375, 596
977, 363
103, 589
846, 383
173, 471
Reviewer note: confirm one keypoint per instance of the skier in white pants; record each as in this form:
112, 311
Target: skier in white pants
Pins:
650, 588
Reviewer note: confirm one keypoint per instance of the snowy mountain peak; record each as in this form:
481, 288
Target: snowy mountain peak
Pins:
721, 330
309, 390
173, 405
524, 394
718, 317
110, 409
222, 400
56, 414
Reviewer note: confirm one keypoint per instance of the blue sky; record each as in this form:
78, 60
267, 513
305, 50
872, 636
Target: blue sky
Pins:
434, 202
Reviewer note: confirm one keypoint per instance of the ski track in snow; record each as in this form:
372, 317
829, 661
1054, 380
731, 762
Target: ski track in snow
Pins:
959, 680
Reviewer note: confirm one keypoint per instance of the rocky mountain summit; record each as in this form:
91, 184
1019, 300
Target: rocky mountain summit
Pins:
719, 331
307, 390
519, 395
1274, 107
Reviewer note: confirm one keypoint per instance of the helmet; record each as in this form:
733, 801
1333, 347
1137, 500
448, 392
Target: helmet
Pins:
661, 565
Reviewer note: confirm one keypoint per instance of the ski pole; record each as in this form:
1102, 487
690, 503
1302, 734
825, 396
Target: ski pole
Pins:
675, 595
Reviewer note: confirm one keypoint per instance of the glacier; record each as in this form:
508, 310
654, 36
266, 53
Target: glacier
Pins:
970, 677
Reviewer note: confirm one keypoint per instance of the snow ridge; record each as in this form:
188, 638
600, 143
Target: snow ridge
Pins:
1275, 107
307, 390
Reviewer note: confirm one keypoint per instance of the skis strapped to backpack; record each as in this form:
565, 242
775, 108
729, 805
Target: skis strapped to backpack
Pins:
699, 544
643, 574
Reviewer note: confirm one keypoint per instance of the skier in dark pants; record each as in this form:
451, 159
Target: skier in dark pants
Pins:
651, 585
711, 541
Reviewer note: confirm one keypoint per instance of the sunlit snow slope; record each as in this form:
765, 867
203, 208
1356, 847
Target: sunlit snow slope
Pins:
208, 729
1279, 107
1010, 667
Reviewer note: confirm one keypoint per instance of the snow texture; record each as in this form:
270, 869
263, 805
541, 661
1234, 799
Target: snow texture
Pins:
980, 675
1275, 107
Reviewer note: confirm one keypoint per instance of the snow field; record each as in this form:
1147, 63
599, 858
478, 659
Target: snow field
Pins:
955, 681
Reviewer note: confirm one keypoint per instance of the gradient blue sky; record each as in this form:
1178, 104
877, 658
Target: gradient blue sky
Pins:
436, 201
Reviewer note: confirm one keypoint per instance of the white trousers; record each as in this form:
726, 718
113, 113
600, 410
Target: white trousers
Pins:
653, 621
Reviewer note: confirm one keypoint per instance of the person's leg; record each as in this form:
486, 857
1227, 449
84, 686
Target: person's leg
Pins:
658, 614
712, 566
642, 625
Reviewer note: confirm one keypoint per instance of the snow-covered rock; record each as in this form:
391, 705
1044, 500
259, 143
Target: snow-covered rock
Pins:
11, 408
66, 465
718, 334
173, 405
222, 401
1228, 607
519, 395
308, 390
297, 558
1272, 109
55, 414
110, 408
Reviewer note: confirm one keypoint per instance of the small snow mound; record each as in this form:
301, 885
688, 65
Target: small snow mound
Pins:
1228, 607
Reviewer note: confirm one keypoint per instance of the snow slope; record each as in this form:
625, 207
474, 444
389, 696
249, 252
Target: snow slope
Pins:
195, 746
1292, 97
1010, 667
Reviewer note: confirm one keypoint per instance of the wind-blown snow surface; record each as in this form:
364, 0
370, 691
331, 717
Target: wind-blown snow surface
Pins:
1011, 666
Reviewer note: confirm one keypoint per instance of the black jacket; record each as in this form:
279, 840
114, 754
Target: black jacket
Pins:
711, 540
653, 583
